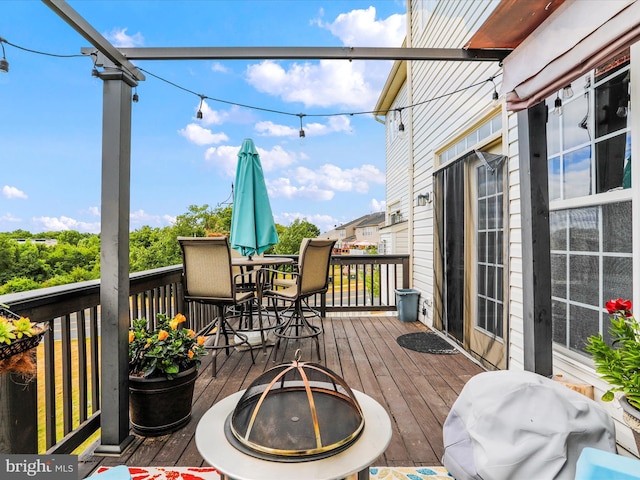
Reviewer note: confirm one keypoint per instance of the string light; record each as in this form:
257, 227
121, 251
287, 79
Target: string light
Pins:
4, 65
135, 97
557, 105
401, 125
567, 92
202, 97
495, 95
199, 114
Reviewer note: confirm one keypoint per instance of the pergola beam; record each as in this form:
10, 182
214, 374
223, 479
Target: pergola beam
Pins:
308, 53
80, 25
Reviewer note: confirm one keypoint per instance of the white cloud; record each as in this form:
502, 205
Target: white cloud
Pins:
66, 223
321, 184
8, 217
323, 222
270, 129
225, 158
340, 123
218, 67
13, 192
336, 178
95, 211
360, 28
201, 136
282, 187
378, 205
119, 38
140, 218
276, 158
235, 114
329, 82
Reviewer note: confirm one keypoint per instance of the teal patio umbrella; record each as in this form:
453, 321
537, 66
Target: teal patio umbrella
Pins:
252, 227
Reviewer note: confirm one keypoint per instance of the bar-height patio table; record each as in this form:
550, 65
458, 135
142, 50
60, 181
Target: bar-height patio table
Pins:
254, 263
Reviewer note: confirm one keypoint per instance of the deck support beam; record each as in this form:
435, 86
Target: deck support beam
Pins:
114, 259
536, 259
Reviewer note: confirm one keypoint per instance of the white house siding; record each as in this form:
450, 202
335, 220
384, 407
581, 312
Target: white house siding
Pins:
516, 324
435, 125
397, 166
439, 121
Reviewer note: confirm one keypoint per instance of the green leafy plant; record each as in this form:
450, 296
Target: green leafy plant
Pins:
619, 364
12, 330
164, 351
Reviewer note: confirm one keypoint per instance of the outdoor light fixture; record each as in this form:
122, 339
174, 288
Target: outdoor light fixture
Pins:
135, 97
4, 65
401, 126
557, 105
495, 95
424, 198
199, 114
302, 135
567, 92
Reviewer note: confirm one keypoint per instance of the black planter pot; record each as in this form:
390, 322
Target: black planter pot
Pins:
158, 406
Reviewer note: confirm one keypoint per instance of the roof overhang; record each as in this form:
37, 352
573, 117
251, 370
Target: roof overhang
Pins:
511, 23
555, 42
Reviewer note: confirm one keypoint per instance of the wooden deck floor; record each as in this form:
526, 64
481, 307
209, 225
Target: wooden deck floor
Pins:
417, 389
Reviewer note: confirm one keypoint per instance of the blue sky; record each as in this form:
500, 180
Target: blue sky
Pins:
51, 110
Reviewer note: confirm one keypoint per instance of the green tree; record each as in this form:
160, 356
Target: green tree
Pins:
291, 238
19, 284
7, 258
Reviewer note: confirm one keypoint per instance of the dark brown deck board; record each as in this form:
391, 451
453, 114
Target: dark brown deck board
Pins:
417, 389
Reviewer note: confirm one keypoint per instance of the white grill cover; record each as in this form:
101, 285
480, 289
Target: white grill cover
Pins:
521, 425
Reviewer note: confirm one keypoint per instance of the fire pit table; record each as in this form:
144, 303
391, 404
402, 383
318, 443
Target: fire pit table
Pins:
350, 463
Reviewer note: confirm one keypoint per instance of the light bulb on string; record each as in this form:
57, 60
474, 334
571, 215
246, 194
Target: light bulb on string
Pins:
199, 113
401, 125
494, 95
135, 97
4, 64
302, 134
557, 105
567, 92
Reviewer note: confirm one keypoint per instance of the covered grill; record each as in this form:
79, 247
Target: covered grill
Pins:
295, 412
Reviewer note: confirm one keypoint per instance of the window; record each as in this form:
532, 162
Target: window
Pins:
589, 137
589, 165
591, 263
483, 132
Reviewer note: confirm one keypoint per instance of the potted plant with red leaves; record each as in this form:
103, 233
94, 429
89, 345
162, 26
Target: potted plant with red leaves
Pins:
619, 363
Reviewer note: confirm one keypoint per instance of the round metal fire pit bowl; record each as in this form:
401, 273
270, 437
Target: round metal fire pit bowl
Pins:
295, 412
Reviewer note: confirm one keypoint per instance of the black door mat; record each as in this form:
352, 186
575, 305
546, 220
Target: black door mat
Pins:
426, 342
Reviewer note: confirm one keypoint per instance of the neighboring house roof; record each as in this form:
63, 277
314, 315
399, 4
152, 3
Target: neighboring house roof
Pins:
370, 219
373, 219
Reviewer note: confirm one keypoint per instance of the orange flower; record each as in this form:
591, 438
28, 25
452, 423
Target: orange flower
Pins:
201, 340
163, 335
190, 354
173, 324
180, 318
132, 336
190, 333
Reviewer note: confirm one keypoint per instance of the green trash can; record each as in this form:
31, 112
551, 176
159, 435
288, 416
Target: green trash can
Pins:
407, 304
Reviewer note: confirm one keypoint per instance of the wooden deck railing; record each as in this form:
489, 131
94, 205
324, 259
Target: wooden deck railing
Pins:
67, 386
